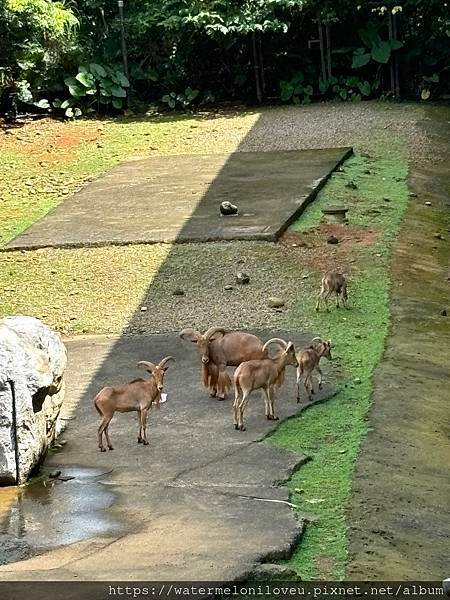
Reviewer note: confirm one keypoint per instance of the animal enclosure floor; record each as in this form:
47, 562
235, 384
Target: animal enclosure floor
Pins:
177, 198
188, 506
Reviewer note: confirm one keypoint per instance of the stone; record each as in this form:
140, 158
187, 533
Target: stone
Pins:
351, 185
242, 278
439, 236
387, 199
34, 358
443, 312
229, 287
143, 309
178, 292
228, 209
332, 239
273, 571
428, 203
274, 302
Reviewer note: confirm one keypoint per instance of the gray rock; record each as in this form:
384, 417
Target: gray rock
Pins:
229, 287
227, 209
273, 571
178, 292
332, 239
242, 278
274, 302
33, 356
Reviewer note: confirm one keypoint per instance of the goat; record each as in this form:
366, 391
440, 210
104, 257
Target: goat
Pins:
333, 282
308, 361
264, 374
219, 348
137, 395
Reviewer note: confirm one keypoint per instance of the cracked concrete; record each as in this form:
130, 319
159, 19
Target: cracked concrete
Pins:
201, 502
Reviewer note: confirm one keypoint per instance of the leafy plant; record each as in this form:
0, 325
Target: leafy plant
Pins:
296, 90
427, 84
375, 48
182, 100
352, 88
94, 85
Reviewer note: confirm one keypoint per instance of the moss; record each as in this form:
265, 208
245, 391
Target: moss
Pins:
331, 433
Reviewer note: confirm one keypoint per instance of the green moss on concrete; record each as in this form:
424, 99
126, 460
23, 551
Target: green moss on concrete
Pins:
331, 433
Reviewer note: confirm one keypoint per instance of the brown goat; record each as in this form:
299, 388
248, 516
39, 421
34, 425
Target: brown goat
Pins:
264, 374
333, 282
138, 395
219, 348
308, 361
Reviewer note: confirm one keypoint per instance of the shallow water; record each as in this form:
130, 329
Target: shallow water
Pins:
49, 512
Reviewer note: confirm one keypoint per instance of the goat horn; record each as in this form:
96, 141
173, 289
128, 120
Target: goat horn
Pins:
164, 361
278, 341
148, 365
316, 339
212, 330
190, 333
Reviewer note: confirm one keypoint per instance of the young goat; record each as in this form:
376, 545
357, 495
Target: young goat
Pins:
333, 282
308, 361
220, 348
264, 374
138, 395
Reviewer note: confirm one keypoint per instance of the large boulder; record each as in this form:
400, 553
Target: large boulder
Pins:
32, 363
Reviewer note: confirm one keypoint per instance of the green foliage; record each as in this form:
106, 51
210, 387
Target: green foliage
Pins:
352, 87
296, 90
182, 100
376, 49
92, 86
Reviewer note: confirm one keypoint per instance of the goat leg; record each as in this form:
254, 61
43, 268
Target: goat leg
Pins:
319, 370
144, 427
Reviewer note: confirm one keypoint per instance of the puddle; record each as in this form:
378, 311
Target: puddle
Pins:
50, 513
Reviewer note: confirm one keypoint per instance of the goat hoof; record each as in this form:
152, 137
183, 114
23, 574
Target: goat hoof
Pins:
320, 386
102, 449
313, 392
110, 448
145, 443
221, 398
212, 394
242, 428
236, 427
139, 441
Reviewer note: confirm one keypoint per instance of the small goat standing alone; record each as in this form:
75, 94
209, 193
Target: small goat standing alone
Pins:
333, 282
219, 348
264, 374
308, 361
138, 395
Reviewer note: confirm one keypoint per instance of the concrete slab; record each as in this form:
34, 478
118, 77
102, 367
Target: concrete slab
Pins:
201, 502
177, 198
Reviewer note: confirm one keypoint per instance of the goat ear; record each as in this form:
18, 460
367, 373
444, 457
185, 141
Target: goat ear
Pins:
190, 335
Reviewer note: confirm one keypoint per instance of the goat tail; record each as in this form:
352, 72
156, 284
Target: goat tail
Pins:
96, 406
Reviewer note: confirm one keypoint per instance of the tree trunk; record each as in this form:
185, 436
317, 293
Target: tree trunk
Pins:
261, 66
322, 50
328, 38
256, 67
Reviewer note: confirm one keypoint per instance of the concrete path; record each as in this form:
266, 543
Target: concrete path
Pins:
201, 502
399, 513
177, 198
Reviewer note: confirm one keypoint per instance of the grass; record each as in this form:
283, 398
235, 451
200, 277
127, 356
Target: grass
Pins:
331, 433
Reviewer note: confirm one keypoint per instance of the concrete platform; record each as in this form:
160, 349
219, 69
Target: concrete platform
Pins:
201, 502
177, 198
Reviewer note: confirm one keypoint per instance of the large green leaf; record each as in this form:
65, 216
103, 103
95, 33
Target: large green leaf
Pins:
76, 90
364, 88
395, 44
97, 70
118, 91
121, 79
360, 60
382, 53
369, 35
86, 79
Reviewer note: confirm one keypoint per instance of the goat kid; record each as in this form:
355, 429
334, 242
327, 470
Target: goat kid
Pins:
264, 374
333, 282
219, 348
138, 395
308, 362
